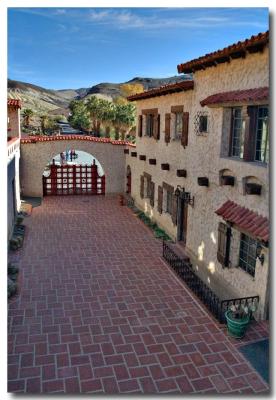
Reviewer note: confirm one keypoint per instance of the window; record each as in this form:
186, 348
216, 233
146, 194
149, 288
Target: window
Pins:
237, 133
178, 125
248, 254
149, 125
148, 187
169, 202
262, 139
203, 123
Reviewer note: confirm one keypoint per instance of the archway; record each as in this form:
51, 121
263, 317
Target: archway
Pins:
73, 172
128, 180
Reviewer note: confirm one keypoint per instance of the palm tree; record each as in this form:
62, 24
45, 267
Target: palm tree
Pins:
108, 115
27, 114
43, 122
94, 107
124, 119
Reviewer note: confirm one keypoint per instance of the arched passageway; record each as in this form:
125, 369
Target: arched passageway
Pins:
36, 153
73, 172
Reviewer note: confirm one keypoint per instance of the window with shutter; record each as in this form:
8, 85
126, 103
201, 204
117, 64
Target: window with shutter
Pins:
224, 238
140, 126
160, 199
142, 186
174, 208
167, 128
185, 129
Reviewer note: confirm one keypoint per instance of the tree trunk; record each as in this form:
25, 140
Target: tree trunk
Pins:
117, 133
98, 128
107, 132
94, 128
123, 134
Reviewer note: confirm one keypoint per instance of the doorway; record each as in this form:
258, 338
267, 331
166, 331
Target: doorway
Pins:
182, 216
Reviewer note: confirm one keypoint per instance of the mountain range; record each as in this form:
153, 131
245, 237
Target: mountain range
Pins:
51, 101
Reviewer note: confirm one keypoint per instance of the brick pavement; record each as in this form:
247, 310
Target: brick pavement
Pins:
98, 311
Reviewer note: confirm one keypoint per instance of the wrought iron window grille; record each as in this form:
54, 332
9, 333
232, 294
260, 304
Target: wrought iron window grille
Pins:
201, 123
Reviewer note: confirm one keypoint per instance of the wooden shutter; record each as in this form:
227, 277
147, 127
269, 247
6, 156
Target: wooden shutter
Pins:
142, 186
140, 126
160, 199
250, 133
167, 128
174, 209
224, 238
158, 127
185, 129
152, 188
155, 126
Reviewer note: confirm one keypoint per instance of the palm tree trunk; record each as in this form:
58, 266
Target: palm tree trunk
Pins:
117, 133
98, 128
107, 132
123, 134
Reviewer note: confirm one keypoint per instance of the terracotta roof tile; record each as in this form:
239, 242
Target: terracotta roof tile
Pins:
237, 96
14, 103
236, 50
36, 139
163, 90
248, 220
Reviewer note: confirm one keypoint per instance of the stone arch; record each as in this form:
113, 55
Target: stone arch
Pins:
35, 154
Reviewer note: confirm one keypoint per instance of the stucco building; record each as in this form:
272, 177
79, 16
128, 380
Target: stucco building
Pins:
200, 167
13, 149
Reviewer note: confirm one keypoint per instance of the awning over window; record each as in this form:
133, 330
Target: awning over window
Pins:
250, 221
237, 96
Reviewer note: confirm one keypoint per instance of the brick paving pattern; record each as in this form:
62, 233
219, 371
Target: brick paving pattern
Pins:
98, 311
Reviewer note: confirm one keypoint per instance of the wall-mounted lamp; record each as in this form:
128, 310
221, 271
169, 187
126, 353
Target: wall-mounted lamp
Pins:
186, 196
259, 255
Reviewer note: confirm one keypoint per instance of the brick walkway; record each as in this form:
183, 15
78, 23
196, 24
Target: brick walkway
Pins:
99, 311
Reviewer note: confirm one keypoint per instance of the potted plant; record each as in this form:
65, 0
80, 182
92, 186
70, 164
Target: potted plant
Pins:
238, 318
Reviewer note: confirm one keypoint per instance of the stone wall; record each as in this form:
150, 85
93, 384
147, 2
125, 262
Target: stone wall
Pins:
202, 158
35, 157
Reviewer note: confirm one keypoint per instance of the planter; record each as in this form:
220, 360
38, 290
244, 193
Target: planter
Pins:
133, 154
181, 173
152, 161
121, 200
253, 188
236, 327
165, 167
203, 181
228, 180
142, 157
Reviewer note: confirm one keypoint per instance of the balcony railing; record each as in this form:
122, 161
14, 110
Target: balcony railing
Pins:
12, 145
216, 305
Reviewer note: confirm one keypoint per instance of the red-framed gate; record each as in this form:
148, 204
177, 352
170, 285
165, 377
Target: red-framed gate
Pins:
73, 179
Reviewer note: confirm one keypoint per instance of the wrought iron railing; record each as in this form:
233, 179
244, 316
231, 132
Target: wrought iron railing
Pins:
185, 271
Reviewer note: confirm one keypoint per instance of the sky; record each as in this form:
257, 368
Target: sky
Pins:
70, 48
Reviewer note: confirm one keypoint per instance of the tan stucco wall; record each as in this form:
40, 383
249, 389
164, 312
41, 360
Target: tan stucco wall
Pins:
35, 156
14, 122
202, 158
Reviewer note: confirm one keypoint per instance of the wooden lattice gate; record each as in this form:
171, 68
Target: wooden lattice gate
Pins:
73, 179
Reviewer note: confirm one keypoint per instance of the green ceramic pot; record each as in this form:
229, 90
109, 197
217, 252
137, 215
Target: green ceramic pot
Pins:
236, 327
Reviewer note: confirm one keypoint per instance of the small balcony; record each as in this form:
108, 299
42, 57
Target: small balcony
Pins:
13, 143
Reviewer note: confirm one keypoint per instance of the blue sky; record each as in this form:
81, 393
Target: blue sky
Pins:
61, 48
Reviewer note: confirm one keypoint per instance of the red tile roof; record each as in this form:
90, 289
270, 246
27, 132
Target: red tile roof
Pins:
237, 96
14, 103
74, 137
163, 90
236, 50
250, 221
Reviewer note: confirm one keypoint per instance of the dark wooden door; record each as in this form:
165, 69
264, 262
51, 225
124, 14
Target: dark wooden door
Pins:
182, 221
